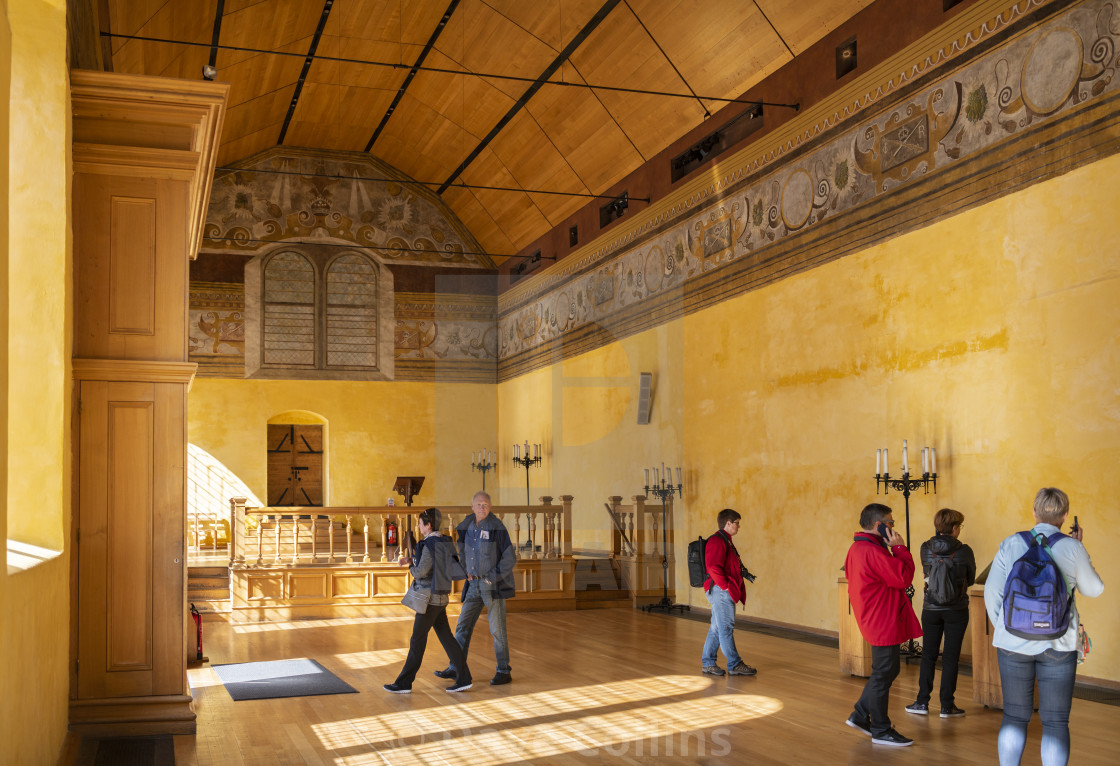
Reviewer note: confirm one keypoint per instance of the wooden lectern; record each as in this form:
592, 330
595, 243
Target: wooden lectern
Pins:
408, 487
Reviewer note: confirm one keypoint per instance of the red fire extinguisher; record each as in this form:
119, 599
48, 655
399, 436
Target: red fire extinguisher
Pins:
390, 533
197, 631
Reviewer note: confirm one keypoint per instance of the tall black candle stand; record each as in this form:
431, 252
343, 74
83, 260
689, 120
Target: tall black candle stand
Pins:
665, 491
904, 485
528, 462
483, 465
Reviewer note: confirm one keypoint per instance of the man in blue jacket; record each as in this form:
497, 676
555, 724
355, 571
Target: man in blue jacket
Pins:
488, 556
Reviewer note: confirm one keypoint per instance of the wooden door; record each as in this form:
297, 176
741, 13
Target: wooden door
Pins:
295, 465
131, 555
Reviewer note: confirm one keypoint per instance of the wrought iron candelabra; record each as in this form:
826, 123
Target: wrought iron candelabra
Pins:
905, 485
529, 457
664, 489
483, 460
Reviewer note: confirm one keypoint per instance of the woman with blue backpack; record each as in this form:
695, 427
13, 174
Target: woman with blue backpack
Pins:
1029, 597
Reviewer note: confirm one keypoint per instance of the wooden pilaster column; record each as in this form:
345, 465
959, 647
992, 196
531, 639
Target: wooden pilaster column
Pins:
144, 154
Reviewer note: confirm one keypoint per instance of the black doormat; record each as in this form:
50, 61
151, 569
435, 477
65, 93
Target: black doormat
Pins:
156, 750
280, 678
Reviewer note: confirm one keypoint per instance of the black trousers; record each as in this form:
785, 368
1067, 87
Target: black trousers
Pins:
951, 623
434, 617
872, 704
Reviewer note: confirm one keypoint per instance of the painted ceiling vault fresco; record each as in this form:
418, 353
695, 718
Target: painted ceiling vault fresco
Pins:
295, 195
1040, 76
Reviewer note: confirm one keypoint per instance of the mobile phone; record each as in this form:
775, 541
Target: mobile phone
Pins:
884, 531
1075, 527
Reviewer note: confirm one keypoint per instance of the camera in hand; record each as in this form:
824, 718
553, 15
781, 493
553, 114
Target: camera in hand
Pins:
747, 575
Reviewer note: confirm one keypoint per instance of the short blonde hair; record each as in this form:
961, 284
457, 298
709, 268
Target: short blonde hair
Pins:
1050, 505
945, 519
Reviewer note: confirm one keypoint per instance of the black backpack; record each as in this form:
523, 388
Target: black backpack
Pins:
697, 568
940, 588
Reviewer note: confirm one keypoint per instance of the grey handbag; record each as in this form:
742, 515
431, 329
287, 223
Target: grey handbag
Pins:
416, 598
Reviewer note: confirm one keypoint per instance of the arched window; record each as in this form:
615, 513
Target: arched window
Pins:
351, 312
318, 312
288, 337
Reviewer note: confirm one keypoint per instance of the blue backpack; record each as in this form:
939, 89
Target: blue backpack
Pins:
1036, 602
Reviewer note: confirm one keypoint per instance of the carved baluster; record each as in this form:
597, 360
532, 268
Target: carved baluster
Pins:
556, 534
349, 538
276, 559
630, 527
295, 539
517, 533
381, 519
314, 519
533, 535
330, 539
260, 540
365, 534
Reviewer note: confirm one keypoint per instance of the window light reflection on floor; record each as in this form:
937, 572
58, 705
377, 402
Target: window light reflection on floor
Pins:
584, 721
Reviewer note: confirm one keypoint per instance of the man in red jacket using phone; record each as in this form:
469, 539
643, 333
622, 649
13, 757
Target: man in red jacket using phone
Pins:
880, 568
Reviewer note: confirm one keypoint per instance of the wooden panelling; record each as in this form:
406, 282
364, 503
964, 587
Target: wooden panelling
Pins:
129, 535
132, 265
131, 288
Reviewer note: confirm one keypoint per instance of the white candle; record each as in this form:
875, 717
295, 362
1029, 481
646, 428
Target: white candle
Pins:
905, 459
538, 452
925, 460
647, 478
878, 461
932, 460
656, 480
515, 447
678, 475
886, 470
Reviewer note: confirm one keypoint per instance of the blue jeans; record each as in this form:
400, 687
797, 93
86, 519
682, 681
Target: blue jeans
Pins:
479, 595
1055, 672
721, 632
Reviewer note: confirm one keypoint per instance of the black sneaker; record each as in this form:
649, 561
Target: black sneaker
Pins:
448, 673
459, 687
951, 711
892, 738
863, 726
500, 679
394, 689
918, 708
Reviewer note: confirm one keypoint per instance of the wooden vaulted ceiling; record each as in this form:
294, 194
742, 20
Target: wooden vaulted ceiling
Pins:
489, 101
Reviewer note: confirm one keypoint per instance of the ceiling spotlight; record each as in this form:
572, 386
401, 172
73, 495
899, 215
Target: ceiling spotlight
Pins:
209, 72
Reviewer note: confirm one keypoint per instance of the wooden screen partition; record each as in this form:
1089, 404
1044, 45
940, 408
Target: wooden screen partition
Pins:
855, 652
304, 562
144, 150
637, 542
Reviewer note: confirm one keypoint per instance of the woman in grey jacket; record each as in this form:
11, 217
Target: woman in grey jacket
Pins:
434, 564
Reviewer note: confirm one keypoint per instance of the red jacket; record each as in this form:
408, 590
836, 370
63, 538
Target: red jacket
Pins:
724, 566
877, 582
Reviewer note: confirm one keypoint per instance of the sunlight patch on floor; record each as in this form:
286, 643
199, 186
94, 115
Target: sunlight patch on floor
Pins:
583, 720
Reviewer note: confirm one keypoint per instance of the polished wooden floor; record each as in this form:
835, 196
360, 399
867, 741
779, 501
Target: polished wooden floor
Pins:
614, 686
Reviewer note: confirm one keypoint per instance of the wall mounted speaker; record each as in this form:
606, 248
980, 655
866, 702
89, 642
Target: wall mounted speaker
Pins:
645, 396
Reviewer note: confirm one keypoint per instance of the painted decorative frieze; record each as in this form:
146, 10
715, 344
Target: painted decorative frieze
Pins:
1035, 78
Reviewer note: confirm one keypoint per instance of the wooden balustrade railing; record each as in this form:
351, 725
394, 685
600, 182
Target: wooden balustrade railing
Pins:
280, 536
636, 543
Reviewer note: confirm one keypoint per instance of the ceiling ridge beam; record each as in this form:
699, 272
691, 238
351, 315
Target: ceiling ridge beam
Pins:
412, 72
306, 67
563, 56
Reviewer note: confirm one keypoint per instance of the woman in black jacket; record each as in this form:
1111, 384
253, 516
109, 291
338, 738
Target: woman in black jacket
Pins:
434, 564
949, 617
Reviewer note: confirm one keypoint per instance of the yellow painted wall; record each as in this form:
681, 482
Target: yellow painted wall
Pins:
993, 336
34, 604
375, 432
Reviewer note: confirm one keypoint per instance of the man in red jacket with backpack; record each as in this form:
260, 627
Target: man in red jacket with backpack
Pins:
880, 568
724, 589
